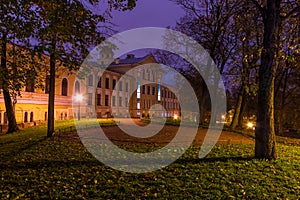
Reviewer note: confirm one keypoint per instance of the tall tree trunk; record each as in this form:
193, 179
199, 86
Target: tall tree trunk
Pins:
12, 124
242, 111
265, 131
237, 111
51, 98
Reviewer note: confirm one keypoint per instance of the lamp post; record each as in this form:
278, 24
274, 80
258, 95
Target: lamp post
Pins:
78, 98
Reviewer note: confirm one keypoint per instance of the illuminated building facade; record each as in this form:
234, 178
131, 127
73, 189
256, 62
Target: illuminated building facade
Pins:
128, 87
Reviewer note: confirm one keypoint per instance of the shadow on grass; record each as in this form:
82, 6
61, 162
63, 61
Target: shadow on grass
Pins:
19, 150
16, 165
213, 160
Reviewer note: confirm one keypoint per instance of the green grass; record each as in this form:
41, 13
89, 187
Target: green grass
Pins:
35, 167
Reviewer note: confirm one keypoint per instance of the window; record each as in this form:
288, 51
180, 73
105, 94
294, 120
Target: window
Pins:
143, 74
64, 87
148, 89
90, 80
113, 101
120, 101
138, 106
158, 92
107, 83
31, 117
99, 82
90, 99
26, 117
126, 87
153, 90
143, 89
98, 99
138, 91
126, 102
148, 75
77, 87
47, 84
120, 85
114, 84
106, 100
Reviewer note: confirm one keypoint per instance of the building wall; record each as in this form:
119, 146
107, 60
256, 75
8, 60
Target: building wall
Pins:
32, 106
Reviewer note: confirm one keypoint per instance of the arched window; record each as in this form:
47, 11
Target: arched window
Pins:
31, 117
90, 80
64, 87
99, 82
26, 117
77, 87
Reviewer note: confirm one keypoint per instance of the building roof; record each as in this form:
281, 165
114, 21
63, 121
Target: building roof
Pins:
130, 59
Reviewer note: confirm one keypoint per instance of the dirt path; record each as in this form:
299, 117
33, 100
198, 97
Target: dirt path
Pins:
165, 135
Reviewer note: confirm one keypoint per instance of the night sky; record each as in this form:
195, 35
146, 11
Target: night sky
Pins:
157, 13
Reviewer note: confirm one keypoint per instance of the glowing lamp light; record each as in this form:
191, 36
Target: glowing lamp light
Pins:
175, 117
78, 97
250, 125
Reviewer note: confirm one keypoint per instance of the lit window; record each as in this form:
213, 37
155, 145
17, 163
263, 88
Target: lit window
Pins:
158, 92
138, 91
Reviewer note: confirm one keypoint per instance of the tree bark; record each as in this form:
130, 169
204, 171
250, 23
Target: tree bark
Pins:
265, 131
12, 124
237, 111
51, 98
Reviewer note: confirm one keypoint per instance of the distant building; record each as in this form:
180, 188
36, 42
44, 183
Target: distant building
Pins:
134, 95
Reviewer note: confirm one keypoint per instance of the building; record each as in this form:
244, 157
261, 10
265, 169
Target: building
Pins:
128, 87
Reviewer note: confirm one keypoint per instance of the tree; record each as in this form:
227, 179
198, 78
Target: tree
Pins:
15, 25
244, 60
272, 12
210, 22
67, 30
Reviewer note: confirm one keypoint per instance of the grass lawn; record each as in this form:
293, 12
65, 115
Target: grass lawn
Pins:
34, 167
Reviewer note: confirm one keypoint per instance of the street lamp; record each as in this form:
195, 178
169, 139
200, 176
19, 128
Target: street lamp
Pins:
78, 98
